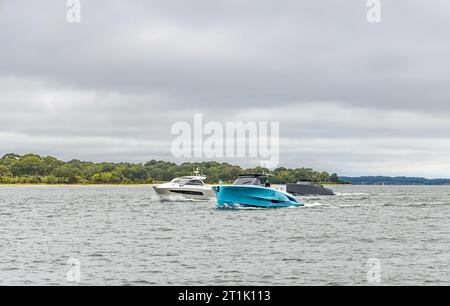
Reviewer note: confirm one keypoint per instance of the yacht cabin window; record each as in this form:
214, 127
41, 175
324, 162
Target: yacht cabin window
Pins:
195, 183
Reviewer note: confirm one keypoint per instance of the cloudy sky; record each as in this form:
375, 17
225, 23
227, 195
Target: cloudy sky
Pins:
352, 97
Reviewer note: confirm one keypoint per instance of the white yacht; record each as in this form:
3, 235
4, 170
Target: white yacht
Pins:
186, 188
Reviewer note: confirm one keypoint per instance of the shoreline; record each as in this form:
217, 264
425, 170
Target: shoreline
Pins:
77, 185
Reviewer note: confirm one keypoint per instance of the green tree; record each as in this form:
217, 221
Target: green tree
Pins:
30, 165
5, 172
105, 178
334, 178
12, 156
68, 173
33, 168
51, 164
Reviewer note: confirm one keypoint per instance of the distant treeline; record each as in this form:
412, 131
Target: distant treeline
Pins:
400, 180
35, 169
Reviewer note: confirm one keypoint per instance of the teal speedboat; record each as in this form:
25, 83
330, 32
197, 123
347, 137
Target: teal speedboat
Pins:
253, 190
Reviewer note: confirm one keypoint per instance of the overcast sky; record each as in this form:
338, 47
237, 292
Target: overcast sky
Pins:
351, 97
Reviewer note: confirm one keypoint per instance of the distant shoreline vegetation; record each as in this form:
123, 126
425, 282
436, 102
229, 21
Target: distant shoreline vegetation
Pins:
400, 180
35, 169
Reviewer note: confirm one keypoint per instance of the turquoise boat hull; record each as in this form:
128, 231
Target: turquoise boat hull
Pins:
253, 196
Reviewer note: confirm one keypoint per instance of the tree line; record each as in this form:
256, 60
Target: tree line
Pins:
35, 169
400, 180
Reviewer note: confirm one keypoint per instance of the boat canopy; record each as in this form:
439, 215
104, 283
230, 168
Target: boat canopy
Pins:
189, 180
251, 179
247, 181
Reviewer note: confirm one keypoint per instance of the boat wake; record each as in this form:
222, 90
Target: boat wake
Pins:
315, 204
349, 194
176, 198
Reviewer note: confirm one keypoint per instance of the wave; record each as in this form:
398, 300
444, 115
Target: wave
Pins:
175, 198
349, 194
315, 204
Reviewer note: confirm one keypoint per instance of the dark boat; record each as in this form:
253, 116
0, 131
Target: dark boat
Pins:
308, 188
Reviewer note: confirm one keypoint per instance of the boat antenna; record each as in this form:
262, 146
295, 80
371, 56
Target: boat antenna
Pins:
197, 172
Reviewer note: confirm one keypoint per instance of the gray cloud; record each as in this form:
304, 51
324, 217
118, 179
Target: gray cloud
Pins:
111, 87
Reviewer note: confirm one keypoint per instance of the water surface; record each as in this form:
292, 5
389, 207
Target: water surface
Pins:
125, 236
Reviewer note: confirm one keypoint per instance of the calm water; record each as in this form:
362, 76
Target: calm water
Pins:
124, 236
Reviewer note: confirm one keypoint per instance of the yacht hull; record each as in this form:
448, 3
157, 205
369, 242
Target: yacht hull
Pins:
184, 194
299, 189
253, 196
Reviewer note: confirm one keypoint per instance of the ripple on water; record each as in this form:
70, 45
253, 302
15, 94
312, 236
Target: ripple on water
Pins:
126, 236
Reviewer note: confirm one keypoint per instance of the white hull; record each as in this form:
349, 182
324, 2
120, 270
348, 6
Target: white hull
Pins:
177, 193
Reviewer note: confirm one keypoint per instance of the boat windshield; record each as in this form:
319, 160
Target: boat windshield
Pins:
195, 183
186, 181
247, 181
180, 181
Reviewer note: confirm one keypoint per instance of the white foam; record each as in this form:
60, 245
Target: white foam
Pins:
315, 204
347, 194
